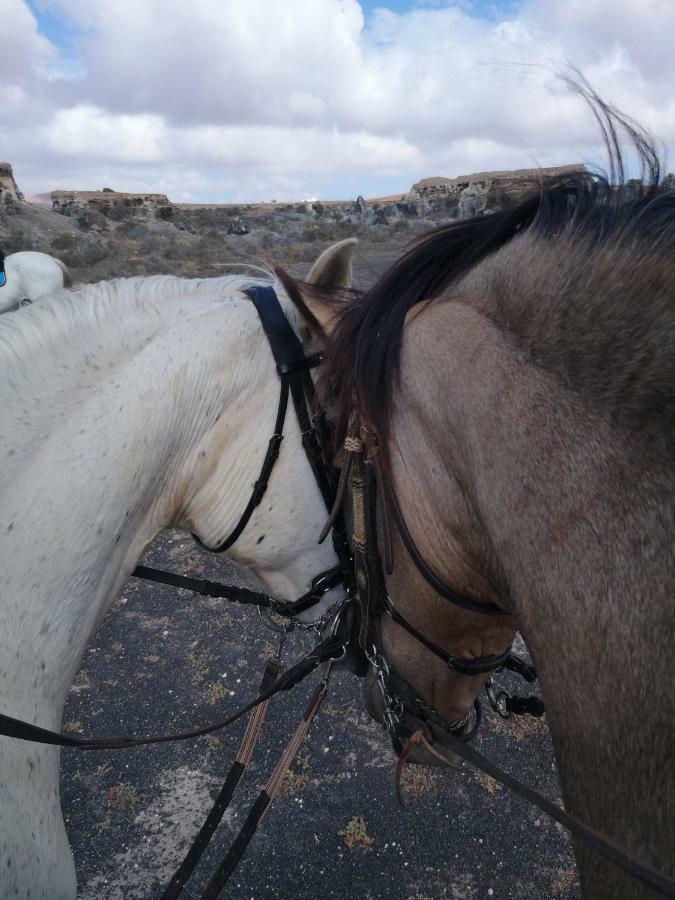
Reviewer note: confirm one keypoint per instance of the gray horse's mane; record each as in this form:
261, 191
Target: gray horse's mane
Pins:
596, 311
581, 274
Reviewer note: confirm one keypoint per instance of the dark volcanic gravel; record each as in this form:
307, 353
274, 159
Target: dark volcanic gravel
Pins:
165, 659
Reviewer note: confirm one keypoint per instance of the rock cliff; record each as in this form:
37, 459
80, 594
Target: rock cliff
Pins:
112, 204
9, 190
470, 195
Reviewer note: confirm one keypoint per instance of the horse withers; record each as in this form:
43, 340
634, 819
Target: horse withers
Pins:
125, 408
29, 275
516, 377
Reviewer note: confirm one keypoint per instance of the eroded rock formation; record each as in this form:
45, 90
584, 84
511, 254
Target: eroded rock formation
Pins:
470, 195
9, 190
113, 204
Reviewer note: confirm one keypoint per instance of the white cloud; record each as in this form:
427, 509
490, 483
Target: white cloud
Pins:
23, 49
211, 61
91, 133
221, 97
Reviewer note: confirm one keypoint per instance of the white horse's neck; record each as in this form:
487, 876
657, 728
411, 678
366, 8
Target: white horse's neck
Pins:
150, 416
125, 408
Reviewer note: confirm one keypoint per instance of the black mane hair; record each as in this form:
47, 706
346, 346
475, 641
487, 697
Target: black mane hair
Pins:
593, 210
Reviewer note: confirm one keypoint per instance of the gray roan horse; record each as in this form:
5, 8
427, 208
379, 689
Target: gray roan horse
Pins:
518, 370
125, 408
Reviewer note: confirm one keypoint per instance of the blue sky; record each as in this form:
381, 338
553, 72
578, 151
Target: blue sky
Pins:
257, 99
484, 9
56, 27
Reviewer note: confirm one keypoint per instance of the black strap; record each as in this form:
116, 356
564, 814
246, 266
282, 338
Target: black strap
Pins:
477, 666
175, 887
318, 450
320, 585
288, 352
598, 842
293, 367
262, 481
331, 648
238, 848
520, 667
290, 359
428, 573
265, 799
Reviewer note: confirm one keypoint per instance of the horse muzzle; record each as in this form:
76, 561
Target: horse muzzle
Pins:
403, 717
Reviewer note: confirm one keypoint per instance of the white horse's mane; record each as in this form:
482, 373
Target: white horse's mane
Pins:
72, 325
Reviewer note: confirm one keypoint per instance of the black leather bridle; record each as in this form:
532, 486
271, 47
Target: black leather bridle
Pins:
293, 368
403, 710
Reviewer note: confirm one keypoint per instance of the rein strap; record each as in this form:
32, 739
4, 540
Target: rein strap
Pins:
598, 842
175, 887
242, 595
331, 648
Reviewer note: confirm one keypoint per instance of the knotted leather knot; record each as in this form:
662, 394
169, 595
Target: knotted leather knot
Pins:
353, 444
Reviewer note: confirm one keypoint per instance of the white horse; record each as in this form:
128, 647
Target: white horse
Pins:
29, 276
125, 408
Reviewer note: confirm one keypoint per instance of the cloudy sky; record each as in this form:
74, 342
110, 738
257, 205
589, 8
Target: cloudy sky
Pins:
212, 100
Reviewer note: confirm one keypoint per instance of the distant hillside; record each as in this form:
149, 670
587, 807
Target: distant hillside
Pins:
104, 234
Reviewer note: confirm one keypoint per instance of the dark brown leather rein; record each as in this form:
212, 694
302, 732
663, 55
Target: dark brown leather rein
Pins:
368, 490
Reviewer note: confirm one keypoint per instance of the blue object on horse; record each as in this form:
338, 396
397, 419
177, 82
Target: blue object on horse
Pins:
3, 275
3, 279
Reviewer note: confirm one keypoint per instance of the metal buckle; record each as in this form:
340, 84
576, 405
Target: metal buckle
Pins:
497, 699
265, 615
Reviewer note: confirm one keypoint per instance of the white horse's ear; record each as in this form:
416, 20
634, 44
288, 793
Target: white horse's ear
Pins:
327, 287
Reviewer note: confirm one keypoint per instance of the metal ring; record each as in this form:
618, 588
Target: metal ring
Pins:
501, 706
265, 616
498, 700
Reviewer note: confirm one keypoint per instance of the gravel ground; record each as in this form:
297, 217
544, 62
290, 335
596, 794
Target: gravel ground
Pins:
165, 659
